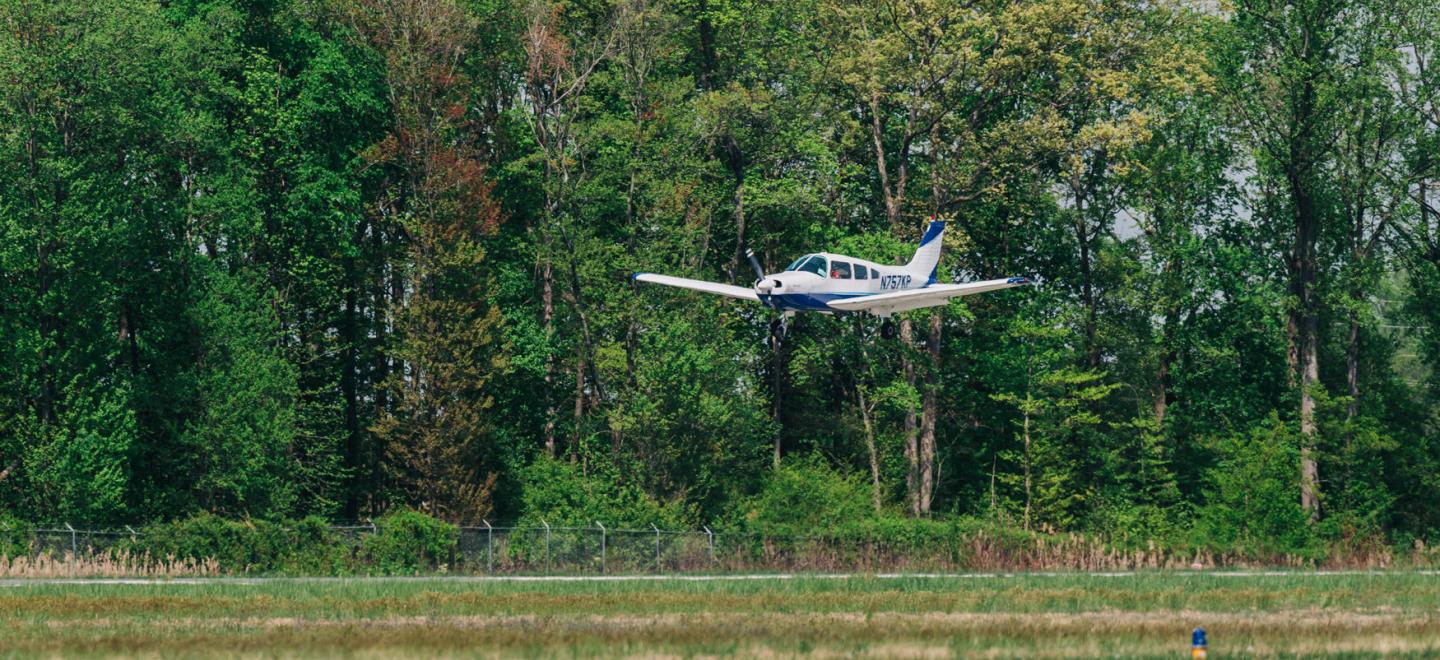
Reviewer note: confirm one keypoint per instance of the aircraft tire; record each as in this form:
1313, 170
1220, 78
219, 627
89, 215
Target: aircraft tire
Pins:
777, 331
888, 330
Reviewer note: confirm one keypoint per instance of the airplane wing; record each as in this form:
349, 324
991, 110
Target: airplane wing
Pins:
727, 290
930, 296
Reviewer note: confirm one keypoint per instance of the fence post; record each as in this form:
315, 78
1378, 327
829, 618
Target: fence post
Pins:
602, 546
489, 547
547, 545
710, 538
657, 546
74, 550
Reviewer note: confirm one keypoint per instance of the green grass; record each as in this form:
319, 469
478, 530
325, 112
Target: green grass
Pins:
1143, 615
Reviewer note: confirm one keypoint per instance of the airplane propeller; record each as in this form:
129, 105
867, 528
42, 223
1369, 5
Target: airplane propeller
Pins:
755, 264
777, 325
761, 285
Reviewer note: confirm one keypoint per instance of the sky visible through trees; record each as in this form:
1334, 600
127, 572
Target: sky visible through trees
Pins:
336, 257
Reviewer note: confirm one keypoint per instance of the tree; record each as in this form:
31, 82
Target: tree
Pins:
1250, 501
1284, 78
246, 422
1056, 405
558, 69
448, 347
906, 67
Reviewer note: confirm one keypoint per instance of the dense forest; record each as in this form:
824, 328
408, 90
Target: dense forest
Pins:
275, 258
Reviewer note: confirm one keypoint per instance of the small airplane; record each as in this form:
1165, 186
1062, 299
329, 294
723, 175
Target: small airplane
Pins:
830, 283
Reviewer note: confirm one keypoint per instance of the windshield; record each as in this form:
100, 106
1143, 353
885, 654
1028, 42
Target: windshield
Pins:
795, 265
812, 264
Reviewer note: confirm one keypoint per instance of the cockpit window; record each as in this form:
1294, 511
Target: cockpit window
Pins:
840, 270
815, 264
795, 265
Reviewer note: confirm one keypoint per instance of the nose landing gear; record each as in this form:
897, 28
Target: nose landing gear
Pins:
778, 328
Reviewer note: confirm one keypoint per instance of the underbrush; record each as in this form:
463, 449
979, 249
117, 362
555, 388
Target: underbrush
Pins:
411, 543
112, 564
969, 544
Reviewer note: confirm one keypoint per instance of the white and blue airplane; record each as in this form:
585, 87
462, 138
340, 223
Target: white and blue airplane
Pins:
830, 283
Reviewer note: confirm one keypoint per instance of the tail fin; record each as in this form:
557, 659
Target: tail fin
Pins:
927, 256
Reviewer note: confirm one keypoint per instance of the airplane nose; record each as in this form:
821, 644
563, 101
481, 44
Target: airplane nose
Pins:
766, 286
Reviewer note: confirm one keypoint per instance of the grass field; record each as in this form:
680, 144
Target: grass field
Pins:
1058, 615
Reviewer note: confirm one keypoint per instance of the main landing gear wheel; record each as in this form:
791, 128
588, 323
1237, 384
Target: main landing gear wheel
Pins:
777, 332
887, 329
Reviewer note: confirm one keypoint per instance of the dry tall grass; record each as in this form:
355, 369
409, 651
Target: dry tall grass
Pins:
114, 564
986, 551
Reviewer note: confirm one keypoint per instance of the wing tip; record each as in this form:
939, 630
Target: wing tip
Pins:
1019, 280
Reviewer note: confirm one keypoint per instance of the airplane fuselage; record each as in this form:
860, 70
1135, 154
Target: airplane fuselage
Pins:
813, 281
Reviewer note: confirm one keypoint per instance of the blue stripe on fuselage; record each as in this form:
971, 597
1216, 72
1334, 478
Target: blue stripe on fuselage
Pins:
806, 301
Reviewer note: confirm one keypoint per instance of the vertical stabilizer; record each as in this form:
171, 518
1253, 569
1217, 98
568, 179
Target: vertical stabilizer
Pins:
927, 256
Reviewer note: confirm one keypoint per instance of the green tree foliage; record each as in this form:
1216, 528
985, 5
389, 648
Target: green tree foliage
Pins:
559, 494
446, 346
1056, 422
409, 542
247, 394
268, 260
808, 497
1251, 496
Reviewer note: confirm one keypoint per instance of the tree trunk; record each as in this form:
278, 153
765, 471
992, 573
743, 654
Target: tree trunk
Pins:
930, 411
1305, 321
870, 447
1026, 433
547, 317
380, 308
631, 326
1087, 286
930, 402
735, 267
779, 363
1162, 373
579, 401
1352, 365
348, 387
912, 448
1309, 471
706, 31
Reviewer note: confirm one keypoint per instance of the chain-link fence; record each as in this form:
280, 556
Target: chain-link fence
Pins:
559, 550
64, 540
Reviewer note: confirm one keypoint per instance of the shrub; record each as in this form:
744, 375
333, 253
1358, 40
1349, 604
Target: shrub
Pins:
1130, 524
249, 546
409, 542
557, 493
15, 536
315, 550
1252, 504
807, 497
